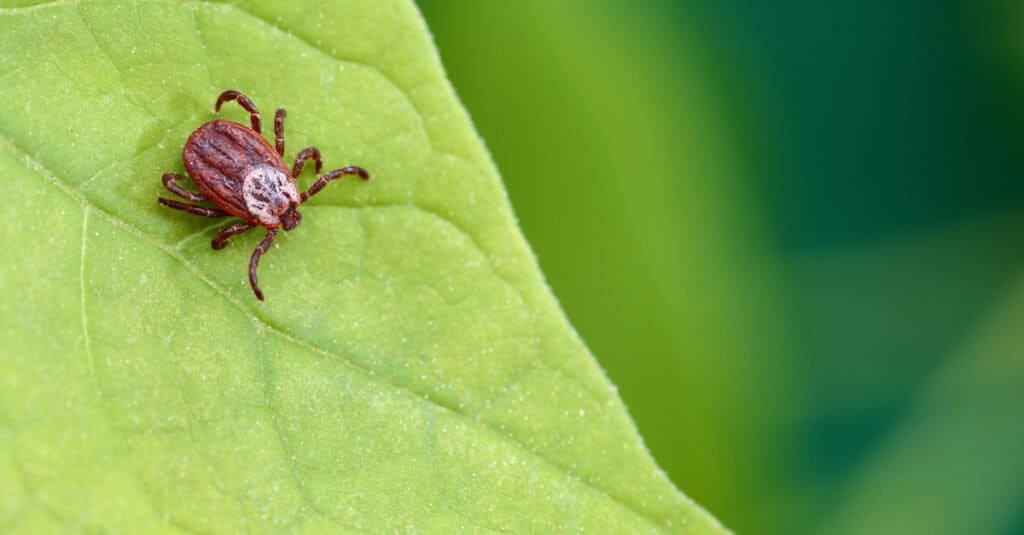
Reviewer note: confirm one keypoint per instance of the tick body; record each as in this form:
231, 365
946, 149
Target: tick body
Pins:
237, 170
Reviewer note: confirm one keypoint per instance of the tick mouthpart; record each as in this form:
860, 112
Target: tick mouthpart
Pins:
291, 219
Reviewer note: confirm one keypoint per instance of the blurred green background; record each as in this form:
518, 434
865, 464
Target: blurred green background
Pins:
791, 232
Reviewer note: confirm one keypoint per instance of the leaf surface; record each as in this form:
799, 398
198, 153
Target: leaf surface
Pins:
409, 370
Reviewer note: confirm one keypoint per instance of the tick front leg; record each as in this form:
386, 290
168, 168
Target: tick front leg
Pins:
337, 173
279, 129
170, 182
192, 209
221, 241
300, 160
245, 103
254, 262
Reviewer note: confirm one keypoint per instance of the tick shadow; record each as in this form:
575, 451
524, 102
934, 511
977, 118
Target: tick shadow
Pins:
186, 113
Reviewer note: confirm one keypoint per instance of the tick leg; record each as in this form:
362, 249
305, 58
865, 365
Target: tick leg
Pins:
300, 160
245, 103
221, 241
279, 129
170, 182
192, 209
337, 173
254, 262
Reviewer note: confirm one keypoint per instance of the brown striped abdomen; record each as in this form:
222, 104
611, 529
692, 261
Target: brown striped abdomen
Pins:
219, 154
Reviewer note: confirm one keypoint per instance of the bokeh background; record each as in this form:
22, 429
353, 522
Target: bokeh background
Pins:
791, 232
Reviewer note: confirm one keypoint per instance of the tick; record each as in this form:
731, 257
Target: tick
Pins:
236, 169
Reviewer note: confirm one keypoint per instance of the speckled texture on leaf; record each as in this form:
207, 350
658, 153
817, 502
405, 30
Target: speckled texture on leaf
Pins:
410, 371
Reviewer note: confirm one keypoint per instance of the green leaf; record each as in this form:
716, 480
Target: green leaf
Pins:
409, 370
631, 144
